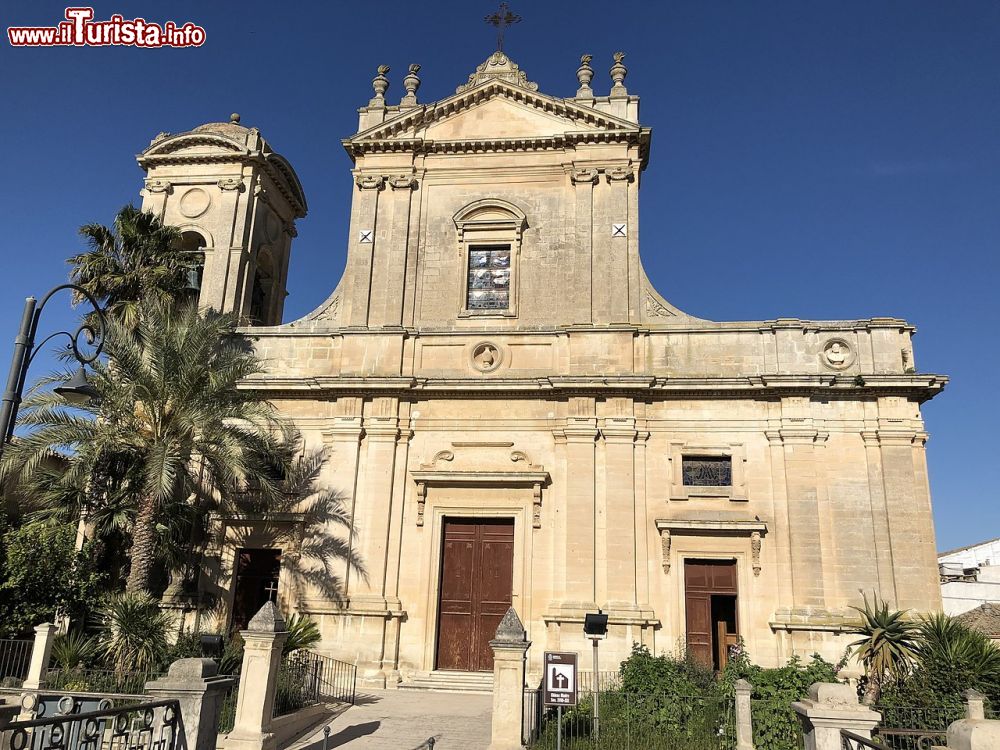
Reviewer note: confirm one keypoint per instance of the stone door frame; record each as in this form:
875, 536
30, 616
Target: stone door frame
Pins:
504, 507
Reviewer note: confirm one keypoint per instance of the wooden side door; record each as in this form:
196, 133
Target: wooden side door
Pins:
698, 611
702, 580
477, 561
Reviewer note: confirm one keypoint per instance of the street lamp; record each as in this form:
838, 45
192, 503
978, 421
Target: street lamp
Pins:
595, 627
76, 390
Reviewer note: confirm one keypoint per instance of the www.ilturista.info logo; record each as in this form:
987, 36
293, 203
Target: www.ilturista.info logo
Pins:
80, 30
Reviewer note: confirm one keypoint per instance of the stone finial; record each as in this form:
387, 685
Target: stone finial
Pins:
510, 629
381, 84
585, 74
742, 686
618, 73
267, 620
411, 83
234, 118
974, 708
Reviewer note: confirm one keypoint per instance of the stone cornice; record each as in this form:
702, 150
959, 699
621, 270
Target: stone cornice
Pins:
918, 387
683, 325
638, 137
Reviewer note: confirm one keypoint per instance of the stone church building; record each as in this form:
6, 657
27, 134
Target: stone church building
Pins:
515, 416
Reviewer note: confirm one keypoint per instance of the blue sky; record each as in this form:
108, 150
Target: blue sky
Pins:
816, 160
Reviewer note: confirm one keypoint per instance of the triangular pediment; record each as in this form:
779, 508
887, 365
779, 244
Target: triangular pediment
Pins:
495, 109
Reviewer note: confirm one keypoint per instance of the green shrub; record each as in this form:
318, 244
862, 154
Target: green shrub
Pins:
44, 576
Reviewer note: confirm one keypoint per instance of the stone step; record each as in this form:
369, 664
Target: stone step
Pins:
451, 682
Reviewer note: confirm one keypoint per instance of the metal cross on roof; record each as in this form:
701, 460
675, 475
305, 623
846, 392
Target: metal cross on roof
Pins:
501, 20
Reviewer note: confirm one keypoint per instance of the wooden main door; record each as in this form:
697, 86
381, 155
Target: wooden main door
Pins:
710, 604
477, 573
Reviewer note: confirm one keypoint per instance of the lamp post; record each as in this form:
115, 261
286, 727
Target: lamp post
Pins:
595, 627
76, 390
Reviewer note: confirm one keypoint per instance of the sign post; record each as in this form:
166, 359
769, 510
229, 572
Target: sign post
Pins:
559, 685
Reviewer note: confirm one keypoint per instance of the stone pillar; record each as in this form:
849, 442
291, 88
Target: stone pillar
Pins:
509, 647
580, 549
263, 639
744, 720
618, 554
830, 708
974, 734
41, 651
199, 690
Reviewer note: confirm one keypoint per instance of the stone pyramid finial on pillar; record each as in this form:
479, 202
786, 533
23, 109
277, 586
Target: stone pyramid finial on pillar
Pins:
510, 629
411, 83
585, 74
381, 84
267, 620
618, 73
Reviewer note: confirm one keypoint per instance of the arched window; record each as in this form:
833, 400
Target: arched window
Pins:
193, 246
489, 235
260, 292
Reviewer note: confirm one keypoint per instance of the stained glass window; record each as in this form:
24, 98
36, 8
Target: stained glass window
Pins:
707, 471
489, 277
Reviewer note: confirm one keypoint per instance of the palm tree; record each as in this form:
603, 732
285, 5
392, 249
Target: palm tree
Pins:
887, 647
946, 641
171, 422
138, 258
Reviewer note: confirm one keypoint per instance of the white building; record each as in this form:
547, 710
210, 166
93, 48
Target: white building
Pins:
970, 576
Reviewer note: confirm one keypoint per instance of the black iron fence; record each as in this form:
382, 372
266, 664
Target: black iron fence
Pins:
916, 727
99, 680
15, 656
852, 741
632, 721
305, 678
151, 726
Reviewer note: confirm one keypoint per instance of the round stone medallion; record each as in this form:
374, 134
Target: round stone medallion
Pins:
195, 202
486, 356
837, 354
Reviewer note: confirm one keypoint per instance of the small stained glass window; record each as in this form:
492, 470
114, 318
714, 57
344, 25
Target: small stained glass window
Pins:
707, 471
489, 278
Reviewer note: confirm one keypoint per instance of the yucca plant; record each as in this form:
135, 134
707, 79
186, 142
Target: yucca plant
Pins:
74, 650
134, 637
887, 648
302, 633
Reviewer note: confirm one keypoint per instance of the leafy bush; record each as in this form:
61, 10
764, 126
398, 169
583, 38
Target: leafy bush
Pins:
44, 576
679, 674
775, 725
135, 632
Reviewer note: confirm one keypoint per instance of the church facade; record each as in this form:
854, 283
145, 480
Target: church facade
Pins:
515, 416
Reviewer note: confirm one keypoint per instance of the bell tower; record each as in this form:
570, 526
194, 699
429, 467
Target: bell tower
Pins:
235, 202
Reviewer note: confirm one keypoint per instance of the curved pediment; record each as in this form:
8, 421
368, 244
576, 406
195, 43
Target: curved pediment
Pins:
194, 144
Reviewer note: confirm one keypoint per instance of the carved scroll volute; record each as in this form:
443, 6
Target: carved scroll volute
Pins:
536, 506
755, 551
665, 548
421, 502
